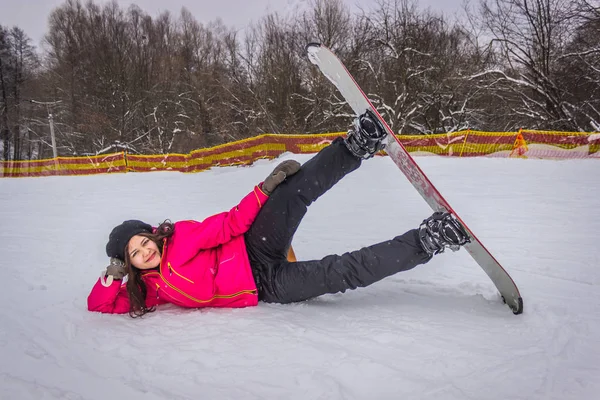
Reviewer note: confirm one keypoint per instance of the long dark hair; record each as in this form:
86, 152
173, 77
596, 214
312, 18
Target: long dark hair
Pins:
136, 288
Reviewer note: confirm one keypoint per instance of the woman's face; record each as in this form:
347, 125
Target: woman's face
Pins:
143, 252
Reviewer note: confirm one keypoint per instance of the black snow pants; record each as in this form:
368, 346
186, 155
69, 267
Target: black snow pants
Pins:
269, 238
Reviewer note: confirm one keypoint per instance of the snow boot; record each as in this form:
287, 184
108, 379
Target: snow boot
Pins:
441, 231
366, 137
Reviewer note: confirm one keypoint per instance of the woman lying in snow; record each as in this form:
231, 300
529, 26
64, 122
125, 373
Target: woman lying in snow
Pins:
236, 258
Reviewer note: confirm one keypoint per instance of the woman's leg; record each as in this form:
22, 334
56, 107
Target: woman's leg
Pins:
286, 282
269, 237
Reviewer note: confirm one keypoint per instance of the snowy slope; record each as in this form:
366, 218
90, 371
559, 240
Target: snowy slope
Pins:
436, 332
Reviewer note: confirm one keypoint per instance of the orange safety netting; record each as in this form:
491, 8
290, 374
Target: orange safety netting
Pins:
523, 144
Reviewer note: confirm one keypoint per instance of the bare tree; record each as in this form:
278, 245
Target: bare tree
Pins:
579, 66
330, 23
4, 86
18, 63
272, 62
529, 37
414, 66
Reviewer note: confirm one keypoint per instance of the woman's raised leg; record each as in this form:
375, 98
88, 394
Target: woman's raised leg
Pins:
271, 233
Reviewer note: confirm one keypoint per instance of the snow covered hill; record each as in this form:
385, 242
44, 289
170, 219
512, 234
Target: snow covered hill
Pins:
436, 332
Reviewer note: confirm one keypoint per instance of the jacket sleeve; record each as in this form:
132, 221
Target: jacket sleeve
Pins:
221, 228
112, 298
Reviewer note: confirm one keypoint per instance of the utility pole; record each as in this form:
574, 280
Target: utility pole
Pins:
54, 150
48, 104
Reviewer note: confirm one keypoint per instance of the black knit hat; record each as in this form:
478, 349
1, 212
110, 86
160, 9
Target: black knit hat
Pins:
120, 235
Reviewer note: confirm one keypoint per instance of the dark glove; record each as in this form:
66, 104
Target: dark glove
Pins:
116, 268
282, 171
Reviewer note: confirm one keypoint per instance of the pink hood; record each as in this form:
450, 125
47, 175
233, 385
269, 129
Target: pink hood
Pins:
204, 264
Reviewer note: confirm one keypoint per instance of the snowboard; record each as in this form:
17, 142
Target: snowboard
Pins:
336, 72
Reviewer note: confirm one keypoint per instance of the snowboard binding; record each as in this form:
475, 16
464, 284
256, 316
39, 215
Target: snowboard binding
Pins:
366, 137
442, 231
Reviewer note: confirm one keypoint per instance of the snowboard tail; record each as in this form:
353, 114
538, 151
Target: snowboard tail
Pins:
336, 72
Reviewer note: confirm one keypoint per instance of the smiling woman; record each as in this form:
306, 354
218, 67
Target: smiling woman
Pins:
235, 258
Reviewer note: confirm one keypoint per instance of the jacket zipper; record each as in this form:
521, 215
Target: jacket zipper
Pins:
164, 291
172, 270
218, 296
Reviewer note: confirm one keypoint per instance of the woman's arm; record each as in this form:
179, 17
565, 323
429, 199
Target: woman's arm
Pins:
109, 296
221, 228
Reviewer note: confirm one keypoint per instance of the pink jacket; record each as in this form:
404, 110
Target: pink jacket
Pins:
204, 264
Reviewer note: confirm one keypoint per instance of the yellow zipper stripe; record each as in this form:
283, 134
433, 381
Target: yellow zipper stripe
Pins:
178, 274
218, 296
164, 292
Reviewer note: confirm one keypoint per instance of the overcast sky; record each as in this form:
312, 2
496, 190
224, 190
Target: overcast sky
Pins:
32, 15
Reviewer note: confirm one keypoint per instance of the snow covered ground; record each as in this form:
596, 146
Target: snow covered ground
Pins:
436, 332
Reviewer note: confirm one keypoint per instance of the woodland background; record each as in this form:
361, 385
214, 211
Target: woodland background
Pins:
119, 79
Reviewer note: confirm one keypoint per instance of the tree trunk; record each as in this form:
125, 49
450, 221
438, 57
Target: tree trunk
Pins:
17, 130
4, 111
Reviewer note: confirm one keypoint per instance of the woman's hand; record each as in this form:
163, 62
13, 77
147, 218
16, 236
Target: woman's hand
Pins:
282, 171
116, 269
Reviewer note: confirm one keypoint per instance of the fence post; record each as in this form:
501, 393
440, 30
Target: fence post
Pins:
464, 142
